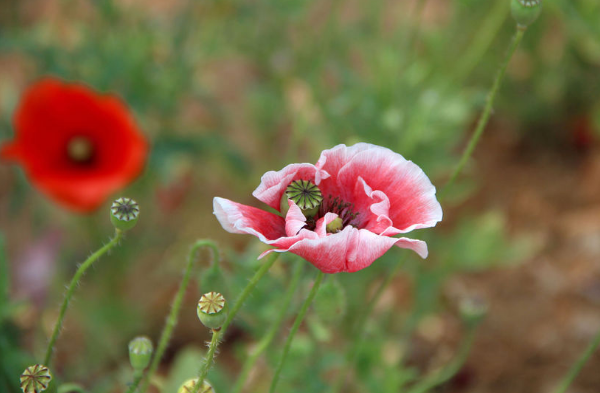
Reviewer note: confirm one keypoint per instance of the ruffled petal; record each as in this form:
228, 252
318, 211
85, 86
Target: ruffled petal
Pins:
294, 219
350, 250
273, 184
237, 218
411, 196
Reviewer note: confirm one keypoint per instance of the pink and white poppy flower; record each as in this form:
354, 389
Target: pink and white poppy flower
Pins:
364, 195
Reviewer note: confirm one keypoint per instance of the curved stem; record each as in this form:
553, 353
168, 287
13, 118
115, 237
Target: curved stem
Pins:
71, 387
576, 368
297, 322
487, 110
270, 335
450, 369
172, 318
71, 289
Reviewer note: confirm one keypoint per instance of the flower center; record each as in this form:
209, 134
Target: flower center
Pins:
306, 195
80, 150
344, 210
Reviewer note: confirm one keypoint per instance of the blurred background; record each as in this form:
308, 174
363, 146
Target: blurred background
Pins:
226, 90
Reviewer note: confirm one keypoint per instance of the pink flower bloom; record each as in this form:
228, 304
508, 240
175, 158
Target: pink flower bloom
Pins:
369, 194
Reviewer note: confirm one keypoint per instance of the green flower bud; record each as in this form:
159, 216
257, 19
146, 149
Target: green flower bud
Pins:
305, 194
335, 226
525, 12
35, 379
124, 213
140, 352
473, 310
189, 385
330, 301
212, 310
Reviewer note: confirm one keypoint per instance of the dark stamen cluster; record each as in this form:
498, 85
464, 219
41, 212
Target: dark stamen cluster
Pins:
344, 210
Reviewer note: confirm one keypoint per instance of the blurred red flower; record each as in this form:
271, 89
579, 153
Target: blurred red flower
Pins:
75, 145
372, 193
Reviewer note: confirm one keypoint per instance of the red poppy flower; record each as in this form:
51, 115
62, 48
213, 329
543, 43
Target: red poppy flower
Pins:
75, 145
343, 211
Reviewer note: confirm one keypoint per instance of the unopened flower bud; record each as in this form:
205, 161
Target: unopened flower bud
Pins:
189, 386
305, 194
35, 379
330, 301
140, 352
212, 310
124, 213
525, 12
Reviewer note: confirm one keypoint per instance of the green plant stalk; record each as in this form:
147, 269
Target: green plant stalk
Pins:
297, 322
487, 110
137, 378
270, 260
576, 368
172, 318
71, 289
234, 310
354, 350
4, 281
450, 369
210, 358
270, 335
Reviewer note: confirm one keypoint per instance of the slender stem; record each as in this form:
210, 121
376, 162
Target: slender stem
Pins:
270, 335
425, 385
297, 322
359, 330
270, 260
71, 289
487, 110
172, 318
137, 377
4, 278
576, 368
208, 362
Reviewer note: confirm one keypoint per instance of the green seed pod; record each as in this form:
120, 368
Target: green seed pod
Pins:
212, 310
35, 379
305, 194
140, 352
473, 310
330, 301
525, 12
124, 213
189, 385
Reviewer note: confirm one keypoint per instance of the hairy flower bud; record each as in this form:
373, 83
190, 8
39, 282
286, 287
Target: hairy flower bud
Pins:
35, 379
189, 385
473, 310
140, 352
212, 310
124, 213
525, 12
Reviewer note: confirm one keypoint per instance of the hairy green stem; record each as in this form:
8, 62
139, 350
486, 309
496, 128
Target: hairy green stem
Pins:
137, 378
71, 289
208, 362
271, 333
576, 368
487, 110
172, 318
425, 385
297, 322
